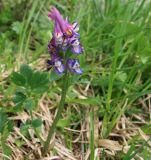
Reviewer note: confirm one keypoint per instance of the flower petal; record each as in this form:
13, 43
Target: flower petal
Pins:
58, 35
76, 49
59, 67
55, 15
75, 26
74, 66
78, 71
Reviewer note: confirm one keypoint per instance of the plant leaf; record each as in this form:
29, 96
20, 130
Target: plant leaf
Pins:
18, 79
27, 72
36, 123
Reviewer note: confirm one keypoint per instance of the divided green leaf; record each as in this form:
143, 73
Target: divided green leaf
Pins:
19, 97
18, 79
39, 82
27, 72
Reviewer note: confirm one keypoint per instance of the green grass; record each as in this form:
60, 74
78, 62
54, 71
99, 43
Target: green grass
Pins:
116, 35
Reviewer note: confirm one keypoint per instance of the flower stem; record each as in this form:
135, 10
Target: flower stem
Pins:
57, 117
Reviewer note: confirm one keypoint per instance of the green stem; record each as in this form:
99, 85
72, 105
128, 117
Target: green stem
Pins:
60, 108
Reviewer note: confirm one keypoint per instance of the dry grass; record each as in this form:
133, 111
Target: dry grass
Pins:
118, 141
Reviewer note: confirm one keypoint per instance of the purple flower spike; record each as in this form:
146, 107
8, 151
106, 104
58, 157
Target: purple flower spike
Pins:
65, 37
74, 66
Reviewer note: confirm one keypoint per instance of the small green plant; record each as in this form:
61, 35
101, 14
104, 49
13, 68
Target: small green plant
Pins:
30, 86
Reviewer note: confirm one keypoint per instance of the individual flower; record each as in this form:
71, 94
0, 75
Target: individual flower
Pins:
65, 27
74, 66
75, 45
65, 36
57, 65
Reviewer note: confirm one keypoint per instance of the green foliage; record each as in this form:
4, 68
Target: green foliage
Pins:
142, 47
3, 119
36, 122
19, 97
33, 81
29, 104
16, 26
5, 129
54, 76
39, 82
30, 84
63, 123
18, 79
27, 72
7, 151
5, 124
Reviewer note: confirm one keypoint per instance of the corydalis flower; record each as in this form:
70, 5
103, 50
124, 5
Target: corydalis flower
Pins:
65, 34
68, 29
57, 65
65, 37
74, 66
